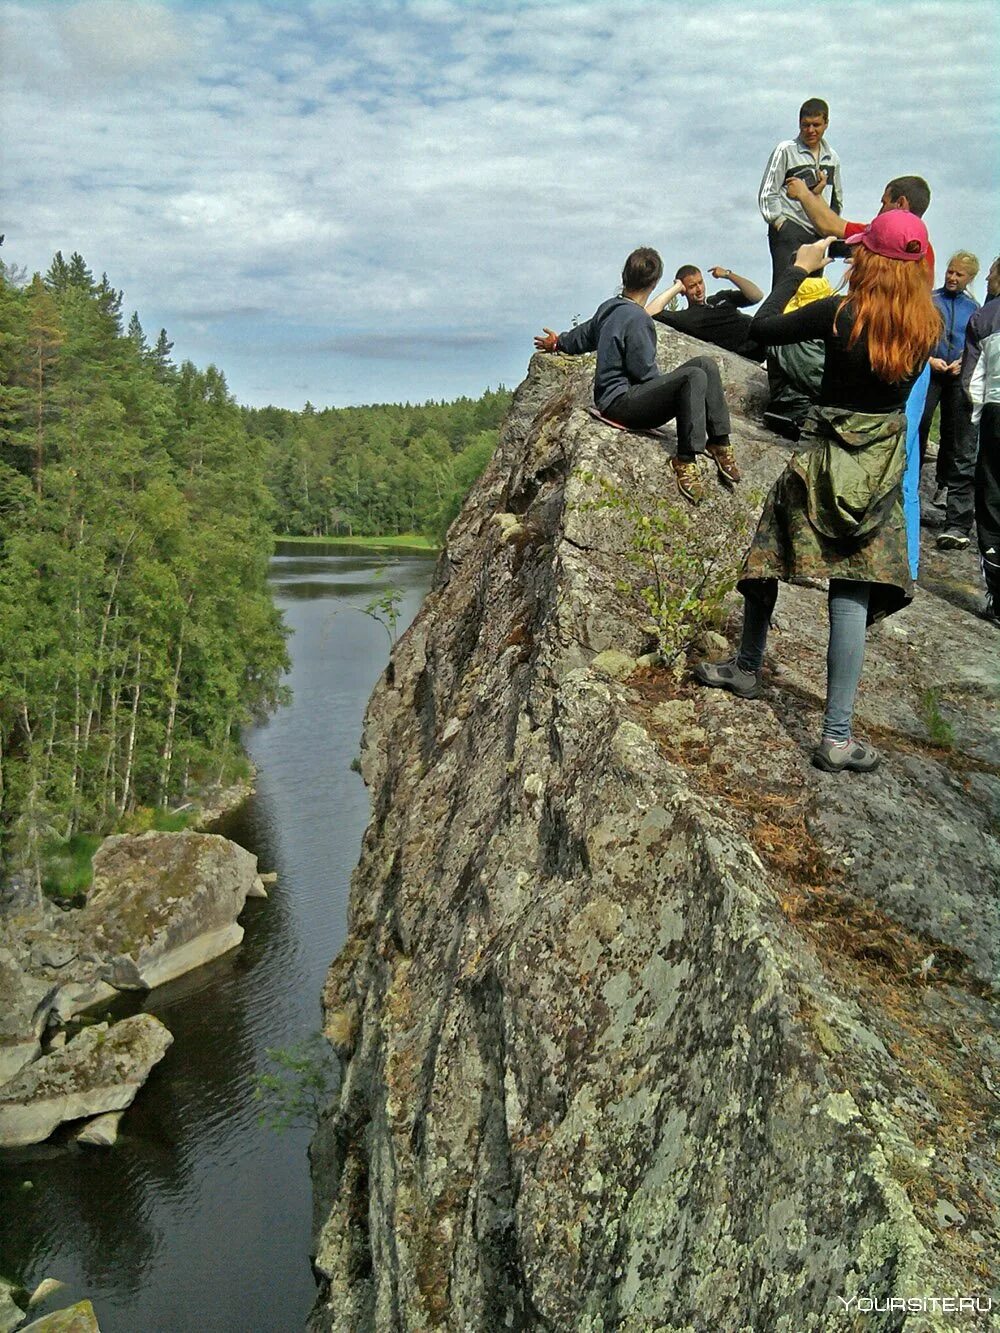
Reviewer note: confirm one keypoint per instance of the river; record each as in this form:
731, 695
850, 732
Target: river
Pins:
198, 1221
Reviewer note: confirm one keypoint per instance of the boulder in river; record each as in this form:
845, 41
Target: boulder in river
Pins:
100, 1070
79, 1318
102, 1131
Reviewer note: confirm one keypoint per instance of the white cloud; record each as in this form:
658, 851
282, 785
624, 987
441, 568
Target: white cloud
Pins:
441, 166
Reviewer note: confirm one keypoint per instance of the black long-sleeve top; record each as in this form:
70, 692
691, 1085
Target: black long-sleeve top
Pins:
848, 379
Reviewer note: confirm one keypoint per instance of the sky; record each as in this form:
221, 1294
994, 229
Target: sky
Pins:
383, 202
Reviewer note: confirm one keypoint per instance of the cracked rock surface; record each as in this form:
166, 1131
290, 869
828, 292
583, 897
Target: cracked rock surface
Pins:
647, 1024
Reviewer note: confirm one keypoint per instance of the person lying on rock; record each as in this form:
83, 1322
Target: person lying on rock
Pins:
836, 511
716, 318
630, 389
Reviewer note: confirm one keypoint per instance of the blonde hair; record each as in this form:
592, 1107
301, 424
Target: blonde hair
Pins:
968, 260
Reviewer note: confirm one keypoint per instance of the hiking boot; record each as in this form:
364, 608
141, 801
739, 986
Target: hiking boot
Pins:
688, 481
725, 462
835, 756
940, 497
952, 541
729, 676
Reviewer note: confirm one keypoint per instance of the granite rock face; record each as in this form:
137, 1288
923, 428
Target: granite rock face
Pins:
24, 1007
100, 1070
646, 1023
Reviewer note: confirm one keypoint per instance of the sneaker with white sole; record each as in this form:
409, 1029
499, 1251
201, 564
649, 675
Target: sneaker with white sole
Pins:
836, 756
729, 676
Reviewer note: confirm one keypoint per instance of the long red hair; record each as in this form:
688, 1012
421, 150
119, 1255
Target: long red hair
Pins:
890, 300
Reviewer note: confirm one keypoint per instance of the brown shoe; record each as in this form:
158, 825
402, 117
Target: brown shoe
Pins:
725, 461
688, 481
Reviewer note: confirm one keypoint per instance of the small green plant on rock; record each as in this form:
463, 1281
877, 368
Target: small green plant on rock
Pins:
939, 729
299, 1089
687, 561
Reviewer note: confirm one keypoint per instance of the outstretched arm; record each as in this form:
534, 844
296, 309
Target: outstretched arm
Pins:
818, 211
546, 341
747, 288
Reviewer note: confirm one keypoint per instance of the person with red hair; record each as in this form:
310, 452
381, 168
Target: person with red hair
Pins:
836, 511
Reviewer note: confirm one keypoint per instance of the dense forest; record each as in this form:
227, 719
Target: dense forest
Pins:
137, 632
374, 470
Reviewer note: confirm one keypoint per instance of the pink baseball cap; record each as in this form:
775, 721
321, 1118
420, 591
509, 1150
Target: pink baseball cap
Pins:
896, 234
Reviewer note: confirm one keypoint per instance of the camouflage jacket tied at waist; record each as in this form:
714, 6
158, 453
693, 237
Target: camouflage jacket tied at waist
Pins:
836, 510
852, 464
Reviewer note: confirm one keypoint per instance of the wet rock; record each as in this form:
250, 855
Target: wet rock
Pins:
100, 1070
79, 1318
11, 1314
46, 1288
638, 1036
102, 1131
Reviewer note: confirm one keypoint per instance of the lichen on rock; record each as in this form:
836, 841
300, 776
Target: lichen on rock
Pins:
637, 1022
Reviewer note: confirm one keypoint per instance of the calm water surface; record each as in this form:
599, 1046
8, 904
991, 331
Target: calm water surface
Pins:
199, 1219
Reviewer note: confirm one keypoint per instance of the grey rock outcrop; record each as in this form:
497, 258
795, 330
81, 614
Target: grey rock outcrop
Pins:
24, 1008
100, 1070
646, 1023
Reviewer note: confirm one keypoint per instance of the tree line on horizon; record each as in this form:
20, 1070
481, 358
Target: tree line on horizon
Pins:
137, 631
379, 470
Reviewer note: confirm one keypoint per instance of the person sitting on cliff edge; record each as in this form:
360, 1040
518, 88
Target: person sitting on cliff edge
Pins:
631, 391
716, 318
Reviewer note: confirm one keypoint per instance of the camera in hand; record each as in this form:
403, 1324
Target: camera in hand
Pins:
840, 250
805, 174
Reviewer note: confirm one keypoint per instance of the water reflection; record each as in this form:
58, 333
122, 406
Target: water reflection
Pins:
174, 1228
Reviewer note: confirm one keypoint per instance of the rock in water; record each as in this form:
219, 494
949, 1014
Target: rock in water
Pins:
637, 1035
164, 903
11, 1314
102, 1131
46, 1288
79, 1318
100, 1070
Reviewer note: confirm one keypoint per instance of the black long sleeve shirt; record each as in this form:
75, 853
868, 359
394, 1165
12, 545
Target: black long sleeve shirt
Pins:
848, 379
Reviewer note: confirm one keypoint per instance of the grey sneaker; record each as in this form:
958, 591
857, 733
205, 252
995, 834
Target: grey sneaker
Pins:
952, 541
835, 756
728, 676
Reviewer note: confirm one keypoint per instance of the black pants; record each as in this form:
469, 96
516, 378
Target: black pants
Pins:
692, 394
954, 428
988, 500
783, 243
956, 460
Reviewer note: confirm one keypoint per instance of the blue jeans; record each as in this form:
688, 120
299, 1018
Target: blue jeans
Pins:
845, 654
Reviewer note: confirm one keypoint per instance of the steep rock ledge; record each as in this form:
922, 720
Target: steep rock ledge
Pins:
641, 1023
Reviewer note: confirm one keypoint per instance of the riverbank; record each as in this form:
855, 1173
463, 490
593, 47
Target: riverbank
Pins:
403, 541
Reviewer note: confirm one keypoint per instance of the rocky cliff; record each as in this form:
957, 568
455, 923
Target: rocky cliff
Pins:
646, 1023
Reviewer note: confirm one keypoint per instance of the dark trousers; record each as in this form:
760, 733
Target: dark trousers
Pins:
783, 243
988, 500
692, 394
956, 460
946, 391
